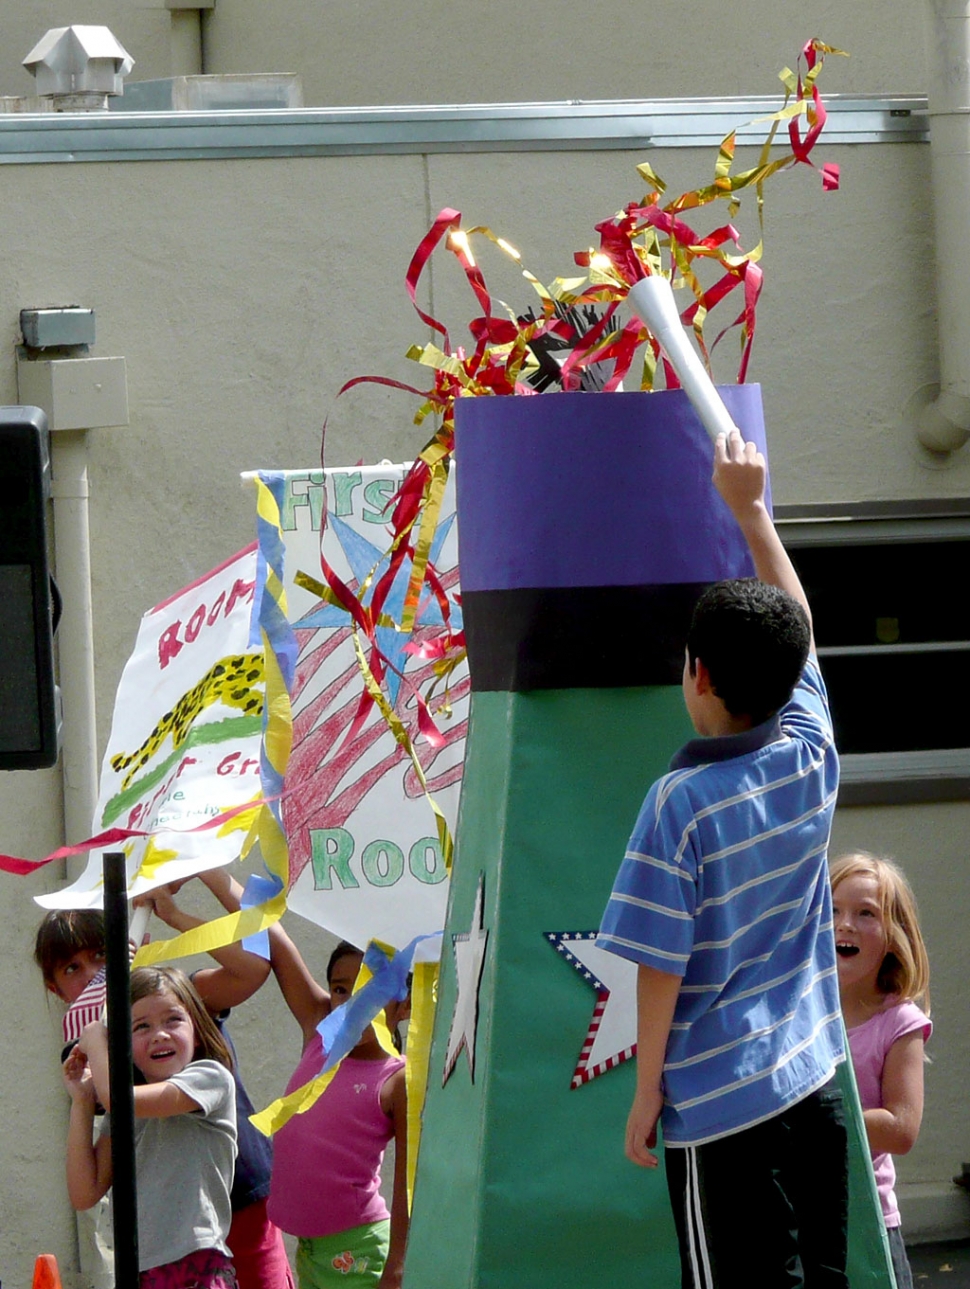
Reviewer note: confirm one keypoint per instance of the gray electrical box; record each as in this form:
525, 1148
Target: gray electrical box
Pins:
57, 328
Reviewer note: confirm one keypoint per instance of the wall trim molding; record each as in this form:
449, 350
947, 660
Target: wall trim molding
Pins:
573, 126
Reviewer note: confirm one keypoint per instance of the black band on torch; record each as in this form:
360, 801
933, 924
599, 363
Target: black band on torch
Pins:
594, 637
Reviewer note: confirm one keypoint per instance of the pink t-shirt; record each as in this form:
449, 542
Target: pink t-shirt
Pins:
327, 1162
869, 1044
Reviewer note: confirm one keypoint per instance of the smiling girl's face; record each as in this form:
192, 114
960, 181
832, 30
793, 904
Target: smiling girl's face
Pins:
860, 934
162, 1036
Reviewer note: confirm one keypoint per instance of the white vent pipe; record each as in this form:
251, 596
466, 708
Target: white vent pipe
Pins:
944, 424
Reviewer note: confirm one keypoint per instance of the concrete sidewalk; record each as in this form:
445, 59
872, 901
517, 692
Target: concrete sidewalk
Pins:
941, 1266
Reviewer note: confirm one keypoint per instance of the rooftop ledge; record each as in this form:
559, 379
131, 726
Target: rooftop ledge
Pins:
570, 126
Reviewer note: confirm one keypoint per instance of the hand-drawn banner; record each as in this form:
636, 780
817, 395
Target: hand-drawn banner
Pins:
185, 737
365, 857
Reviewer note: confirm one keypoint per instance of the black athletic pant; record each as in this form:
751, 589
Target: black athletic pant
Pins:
765, 1208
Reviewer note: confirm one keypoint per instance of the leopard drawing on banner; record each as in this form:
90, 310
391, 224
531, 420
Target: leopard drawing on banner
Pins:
230, 681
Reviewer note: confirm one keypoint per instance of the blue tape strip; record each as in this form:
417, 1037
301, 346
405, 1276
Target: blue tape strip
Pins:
341, 1031
258, 891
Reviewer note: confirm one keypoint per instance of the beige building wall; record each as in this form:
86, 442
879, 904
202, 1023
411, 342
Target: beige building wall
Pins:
243, 293
436, 52
431, 51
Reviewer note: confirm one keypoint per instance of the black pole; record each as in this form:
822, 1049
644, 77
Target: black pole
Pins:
123, 1194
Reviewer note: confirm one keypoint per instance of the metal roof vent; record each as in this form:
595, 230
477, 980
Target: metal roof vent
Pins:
78, 67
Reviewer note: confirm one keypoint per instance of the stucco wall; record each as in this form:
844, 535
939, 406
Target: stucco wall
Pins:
244, 293
436, 52
432, 52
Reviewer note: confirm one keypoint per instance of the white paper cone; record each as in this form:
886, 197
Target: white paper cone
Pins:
652, 300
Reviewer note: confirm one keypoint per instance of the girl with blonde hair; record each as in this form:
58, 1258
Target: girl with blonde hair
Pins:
884, 979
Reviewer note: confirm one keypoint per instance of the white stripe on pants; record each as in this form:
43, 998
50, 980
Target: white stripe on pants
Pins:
700, 1265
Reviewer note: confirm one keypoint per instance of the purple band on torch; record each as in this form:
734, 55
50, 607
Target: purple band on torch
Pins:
586, 490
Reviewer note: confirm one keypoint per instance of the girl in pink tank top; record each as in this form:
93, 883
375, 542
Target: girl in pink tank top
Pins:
325, 1186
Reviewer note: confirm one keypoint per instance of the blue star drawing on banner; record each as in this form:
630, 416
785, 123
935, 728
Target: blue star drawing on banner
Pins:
612, 1035
362, 556
469, 951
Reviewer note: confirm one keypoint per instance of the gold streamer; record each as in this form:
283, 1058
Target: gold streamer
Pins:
401, 735
283, 1109
424, 996
300, 1100
212, 935
434, 495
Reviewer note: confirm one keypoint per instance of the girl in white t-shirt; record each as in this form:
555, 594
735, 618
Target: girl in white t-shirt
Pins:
884, 978
185, 1132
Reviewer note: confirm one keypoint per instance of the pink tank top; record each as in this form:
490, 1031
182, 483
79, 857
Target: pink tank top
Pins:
327, 1162
869, 1044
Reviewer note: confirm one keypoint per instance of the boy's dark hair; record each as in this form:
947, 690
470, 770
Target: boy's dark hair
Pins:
753, 639
209, 1043
65, 932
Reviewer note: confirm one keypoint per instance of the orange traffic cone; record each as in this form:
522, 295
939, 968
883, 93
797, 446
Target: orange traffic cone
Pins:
46, 1274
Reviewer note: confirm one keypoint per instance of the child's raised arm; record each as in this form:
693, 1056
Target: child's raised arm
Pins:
308, 1001
239, 973
740, 474
152, 1100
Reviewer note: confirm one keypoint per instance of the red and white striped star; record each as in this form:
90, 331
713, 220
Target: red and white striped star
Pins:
612, 1035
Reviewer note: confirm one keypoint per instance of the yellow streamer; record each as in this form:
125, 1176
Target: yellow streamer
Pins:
212, 935
266, 506
430, 511
283, 1109
278, 734
379, 1023
272, 845
401, 735
424, 994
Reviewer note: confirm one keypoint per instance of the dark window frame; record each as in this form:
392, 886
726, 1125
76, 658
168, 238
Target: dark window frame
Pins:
892, 777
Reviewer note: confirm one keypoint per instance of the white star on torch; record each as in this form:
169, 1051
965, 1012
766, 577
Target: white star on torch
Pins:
469, 951
612, 1034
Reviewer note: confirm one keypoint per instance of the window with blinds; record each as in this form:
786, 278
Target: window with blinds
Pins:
890, 599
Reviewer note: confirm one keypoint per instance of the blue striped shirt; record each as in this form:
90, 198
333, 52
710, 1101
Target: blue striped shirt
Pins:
725, 884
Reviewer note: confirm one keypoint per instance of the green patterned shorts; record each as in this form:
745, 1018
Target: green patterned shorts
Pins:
343, 1261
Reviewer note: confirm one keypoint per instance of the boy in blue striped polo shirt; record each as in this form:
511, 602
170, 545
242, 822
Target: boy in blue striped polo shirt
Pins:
723, 902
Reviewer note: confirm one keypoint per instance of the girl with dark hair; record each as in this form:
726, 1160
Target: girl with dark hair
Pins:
325, 1187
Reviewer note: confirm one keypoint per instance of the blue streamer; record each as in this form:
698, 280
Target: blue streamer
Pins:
258, 891
341, 1031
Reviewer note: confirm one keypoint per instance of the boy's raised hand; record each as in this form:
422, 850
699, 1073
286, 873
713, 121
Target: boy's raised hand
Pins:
740, 474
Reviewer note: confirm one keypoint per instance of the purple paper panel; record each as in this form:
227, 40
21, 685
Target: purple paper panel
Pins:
559, 490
